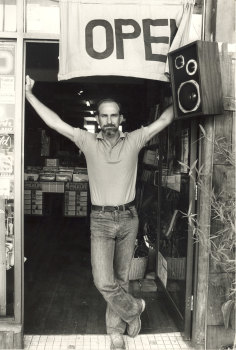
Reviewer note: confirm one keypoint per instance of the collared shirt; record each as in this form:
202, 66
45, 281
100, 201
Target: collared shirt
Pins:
112, 170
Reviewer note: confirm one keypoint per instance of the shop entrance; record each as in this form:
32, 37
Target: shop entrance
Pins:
60, 297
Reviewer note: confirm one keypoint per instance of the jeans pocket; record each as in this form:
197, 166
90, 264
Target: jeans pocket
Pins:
133, 212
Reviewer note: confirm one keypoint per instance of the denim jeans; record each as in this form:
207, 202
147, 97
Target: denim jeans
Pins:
113, 236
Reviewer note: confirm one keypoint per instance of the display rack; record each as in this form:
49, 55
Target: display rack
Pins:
75, 199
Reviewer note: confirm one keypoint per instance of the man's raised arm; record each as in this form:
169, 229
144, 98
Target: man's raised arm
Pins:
45, 113
165, 119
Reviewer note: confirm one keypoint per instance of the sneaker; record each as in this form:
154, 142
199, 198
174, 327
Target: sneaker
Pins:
117, 341
134, 326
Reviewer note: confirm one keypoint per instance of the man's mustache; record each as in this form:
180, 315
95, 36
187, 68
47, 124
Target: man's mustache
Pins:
109, 126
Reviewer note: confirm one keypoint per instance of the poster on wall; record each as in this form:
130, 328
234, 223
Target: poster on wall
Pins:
7, 74
4, 187
7, 88
6, 155
7, 116
7, 113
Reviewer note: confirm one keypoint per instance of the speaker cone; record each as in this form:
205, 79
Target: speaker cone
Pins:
179, 62
189, 96
191, 67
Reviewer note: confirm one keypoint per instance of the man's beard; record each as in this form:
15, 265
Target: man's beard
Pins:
109, 130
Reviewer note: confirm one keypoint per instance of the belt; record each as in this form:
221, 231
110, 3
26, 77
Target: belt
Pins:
113, 208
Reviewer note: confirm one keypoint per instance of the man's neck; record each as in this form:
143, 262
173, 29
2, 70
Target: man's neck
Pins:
112, 139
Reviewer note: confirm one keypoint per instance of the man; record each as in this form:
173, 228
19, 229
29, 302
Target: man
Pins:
112, 158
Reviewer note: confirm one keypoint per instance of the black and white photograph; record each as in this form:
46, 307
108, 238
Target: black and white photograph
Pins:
117, 175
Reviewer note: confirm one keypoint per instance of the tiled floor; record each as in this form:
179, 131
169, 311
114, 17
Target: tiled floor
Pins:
164, 341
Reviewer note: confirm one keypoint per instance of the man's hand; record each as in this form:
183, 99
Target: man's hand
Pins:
29, 84
47, 115
165, 119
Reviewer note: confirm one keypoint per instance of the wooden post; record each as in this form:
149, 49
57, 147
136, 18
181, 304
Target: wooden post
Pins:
223, 173
204, 215
3, 286
216, 28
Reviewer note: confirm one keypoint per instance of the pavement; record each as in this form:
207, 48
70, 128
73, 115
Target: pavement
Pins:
161, 341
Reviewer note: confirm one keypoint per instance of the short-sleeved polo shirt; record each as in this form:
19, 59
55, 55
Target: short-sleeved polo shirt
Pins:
112, 170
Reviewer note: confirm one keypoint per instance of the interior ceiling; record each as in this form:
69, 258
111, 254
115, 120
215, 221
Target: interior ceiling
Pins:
65, 98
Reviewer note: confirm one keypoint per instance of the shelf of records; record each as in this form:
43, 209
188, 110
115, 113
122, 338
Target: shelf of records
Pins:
53, 172
72, 182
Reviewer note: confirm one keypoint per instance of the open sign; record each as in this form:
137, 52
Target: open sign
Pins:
126, 38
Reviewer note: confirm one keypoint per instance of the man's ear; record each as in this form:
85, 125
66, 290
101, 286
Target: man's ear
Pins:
96, 117
121, 118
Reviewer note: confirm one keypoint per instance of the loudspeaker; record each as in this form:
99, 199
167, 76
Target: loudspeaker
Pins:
196, 80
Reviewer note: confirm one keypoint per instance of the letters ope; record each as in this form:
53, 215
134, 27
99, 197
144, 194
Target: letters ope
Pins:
120, 36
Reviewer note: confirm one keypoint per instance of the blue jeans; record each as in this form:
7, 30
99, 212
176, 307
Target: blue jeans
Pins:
113, 236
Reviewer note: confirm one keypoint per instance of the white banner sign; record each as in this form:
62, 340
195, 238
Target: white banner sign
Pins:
127, 38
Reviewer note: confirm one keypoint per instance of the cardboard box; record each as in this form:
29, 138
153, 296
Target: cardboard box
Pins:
31, 177
47, 177
51, 162
63, 177
80, 177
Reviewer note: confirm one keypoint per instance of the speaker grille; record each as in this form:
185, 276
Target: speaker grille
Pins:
189, 96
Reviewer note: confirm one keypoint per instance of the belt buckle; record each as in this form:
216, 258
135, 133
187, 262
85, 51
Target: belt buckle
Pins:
116, 207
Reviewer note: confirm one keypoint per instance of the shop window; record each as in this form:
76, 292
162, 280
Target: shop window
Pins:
7, 15
42, 16
7, 154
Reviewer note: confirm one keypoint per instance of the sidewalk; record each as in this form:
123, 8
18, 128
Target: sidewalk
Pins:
163, 341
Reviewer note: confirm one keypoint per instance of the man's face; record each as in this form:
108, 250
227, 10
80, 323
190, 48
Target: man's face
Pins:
109, 118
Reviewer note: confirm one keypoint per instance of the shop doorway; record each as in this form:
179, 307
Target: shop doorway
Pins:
60, 297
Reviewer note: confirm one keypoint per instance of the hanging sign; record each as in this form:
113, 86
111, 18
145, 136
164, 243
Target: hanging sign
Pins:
128, 38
